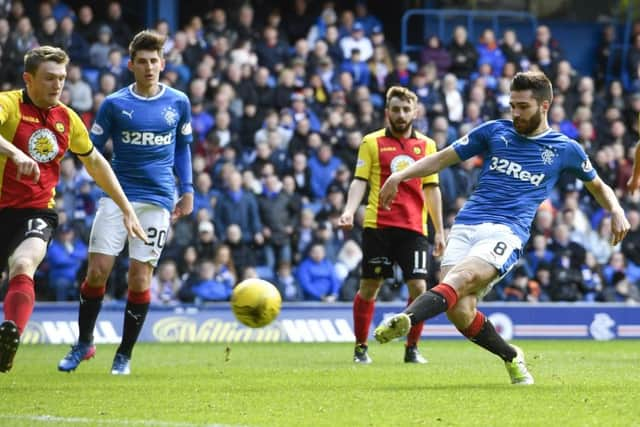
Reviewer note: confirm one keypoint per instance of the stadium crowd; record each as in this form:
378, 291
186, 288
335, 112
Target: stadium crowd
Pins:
279, 109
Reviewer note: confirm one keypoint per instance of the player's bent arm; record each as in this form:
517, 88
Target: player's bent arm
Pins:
429, 165
25, 165
101, 171
357, 189
606, 198
433, 199
634, 182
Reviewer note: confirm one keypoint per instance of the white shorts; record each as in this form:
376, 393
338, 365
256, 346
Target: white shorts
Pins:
493, 243
108, 234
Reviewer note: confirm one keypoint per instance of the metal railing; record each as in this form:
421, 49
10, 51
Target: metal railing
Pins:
470, 16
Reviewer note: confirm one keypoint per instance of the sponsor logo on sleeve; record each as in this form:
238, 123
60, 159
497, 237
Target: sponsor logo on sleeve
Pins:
586, 166
186, 129
96, 129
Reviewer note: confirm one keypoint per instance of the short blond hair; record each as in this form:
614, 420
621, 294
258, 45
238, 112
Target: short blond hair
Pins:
402, 93
38, 55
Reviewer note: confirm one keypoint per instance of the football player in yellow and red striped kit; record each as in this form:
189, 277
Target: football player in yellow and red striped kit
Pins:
397, 235
36, 131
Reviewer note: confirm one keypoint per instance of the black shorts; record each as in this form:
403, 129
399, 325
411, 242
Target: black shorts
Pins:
381, 247
16, 225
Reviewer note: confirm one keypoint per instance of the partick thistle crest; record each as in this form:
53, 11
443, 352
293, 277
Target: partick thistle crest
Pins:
43, 145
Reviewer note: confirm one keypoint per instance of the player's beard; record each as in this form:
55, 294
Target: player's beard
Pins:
527, 127
399, 128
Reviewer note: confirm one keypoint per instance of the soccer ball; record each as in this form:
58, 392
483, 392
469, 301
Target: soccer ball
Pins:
255, 302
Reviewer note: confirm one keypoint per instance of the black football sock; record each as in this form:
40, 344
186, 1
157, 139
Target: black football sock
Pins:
134, 315
482, 332
431, 303
90, 305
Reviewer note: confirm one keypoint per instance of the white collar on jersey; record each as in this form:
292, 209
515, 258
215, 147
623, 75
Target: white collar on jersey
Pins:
540, 135
144, 98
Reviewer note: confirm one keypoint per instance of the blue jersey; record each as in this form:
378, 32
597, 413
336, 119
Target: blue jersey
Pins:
518, 174
145, 133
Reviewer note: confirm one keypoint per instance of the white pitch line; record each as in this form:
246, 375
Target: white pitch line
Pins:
92, 421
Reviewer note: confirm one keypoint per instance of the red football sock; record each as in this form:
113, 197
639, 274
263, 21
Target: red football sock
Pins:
415, 332
476, 325
92, 292
19, 301
447, 292
362, 315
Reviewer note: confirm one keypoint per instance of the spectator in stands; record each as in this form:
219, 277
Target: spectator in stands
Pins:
242, 255
65, 256
117, 66
317, 276
206, 243
357, 39
558, 120
203, 194
99, 50
317, 31
368, 20
245, 26
217, 27
48, 32
512, 49
165, 283
358, 68
562, 245
606, 53
272, 52
545, 61
598, 241
23, 39
464, 56
86, 24
630, 246
276, 213
453, 102
520, 288
79, 90
323, 167
73, 42
621, 290
433, 52
287, 283
214, 280
238, 206
119, 28
544, 38
298, 21
400, 75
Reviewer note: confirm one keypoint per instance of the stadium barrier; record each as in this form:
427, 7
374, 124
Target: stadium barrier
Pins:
315, 322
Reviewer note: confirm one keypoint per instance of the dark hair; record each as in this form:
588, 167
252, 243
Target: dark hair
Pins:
147, 40
536, 82
37, 56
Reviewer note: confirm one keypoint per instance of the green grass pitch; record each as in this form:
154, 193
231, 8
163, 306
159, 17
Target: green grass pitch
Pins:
578, 383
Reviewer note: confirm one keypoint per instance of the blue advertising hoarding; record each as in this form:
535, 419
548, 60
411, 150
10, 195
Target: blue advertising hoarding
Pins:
315, 322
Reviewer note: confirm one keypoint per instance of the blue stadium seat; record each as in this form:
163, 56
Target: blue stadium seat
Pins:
91, 76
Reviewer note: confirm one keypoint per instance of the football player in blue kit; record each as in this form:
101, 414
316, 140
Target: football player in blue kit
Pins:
523, 159
150, 126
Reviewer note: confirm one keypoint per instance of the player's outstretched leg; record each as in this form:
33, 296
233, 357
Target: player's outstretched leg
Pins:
395, 326
517, 369
79, 352
9, 342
